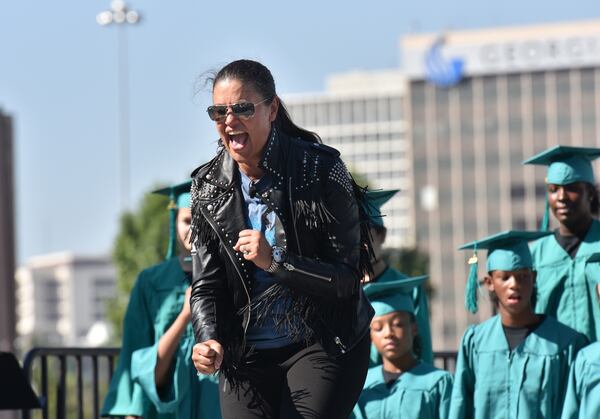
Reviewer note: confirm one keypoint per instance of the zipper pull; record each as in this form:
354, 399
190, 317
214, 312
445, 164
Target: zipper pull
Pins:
289, 266
339, 343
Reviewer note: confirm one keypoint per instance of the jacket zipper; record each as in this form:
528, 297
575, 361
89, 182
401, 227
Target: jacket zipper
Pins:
293, 216
291, 268
233, 262
339, 343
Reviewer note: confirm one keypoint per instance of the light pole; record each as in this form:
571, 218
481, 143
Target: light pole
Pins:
120, 15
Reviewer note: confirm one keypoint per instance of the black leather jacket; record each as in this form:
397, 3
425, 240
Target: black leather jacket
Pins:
318, 224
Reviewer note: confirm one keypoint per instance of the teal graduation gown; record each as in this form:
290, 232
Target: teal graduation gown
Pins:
566, 287
423, 392
583, 393
419, 297
530, 382
155, 302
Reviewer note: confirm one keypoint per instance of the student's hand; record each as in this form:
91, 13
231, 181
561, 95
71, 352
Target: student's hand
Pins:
186, 312
254, 247
207, 356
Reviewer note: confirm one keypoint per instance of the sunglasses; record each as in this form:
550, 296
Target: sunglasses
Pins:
243, 110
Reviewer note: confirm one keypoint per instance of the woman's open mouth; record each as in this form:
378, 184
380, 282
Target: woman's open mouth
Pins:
237, 140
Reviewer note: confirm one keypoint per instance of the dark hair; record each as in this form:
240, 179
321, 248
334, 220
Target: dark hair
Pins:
417, 342
261, 79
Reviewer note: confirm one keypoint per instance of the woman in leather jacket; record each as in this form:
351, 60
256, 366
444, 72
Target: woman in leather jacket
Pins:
280, 245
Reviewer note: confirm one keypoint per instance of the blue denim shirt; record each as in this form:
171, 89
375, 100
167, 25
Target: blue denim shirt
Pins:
260, 218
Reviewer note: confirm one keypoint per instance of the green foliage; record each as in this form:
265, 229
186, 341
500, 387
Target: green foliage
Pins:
141, 242
411, 262
361, 180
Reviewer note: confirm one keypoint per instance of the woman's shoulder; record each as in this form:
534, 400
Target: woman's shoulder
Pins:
200, 171
312, 148
158, 275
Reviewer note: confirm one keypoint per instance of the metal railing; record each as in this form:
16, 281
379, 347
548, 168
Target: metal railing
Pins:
54, 378
445, 360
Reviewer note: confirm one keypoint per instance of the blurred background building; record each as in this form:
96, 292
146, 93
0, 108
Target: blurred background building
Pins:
7, 235
362, 115
62, 300
451, 128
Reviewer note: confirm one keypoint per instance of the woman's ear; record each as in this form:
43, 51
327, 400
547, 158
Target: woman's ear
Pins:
489, 283
274, 108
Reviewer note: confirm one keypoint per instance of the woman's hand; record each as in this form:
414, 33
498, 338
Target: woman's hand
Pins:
254, 247
207, 356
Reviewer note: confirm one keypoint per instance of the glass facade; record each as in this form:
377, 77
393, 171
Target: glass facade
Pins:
369, 131
468, 143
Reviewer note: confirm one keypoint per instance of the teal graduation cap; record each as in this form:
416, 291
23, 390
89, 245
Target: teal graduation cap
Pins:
566, 165
507, 251
387, 297
375, 200
179, 197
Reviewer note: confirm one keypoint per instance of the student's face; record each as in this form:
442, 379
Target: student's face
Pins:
570, 203
184, 220
512, 288
393, 334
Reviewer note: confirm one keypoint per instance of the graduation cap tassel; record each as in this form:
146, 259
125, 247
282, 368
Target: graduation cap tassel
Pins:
172, 227
471, 288
546, 218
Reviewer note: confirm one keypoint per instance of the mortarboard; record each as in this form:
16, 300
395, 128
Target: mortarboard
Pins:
375, 200
507, 251
566, 165
179, 197
387, 297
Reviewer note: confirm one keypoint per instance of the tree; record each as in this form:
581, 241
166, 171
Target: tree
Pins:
141, 242
411, 262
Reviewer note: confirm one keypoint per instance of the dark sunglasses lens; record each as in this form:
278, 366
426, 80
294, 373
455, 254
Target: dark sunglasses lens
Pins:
217, 112
243, 109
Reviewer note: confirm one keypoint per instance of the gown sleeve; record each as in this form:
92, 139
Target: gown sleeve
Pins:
445, 396
573, 394
422, 316
461, 403
124, 397
143, 363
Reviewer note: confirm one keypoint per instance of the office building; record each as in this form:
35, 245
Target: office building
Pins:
61, 296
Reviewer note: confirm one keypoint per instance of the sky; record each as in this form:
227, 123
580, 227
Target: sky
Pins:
59, 81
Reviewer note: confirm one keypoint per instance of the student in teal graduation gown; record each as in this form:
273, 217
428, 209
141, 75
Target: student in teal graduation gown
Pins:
404, 386
154, 376
583, 393
384, 273
515, 364
568, 261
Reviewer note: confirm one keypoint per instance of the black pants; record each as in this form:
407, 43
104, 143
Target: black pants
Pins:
298, 382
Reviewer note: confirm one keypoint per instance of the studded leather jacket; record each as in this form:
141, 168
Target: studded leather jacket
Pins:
317, 222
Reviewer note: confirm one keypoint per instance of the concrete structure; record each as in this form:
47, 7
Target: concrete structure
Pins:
61, 296
521, 90
361, 114
451, 128
7, 236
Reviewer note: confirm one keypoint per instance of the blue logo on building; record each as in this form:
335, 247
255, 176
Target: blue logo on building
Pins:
442, 72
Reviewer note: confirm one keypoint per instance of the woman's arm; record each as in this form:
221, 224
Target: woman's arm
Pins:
335, 274
169, 342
